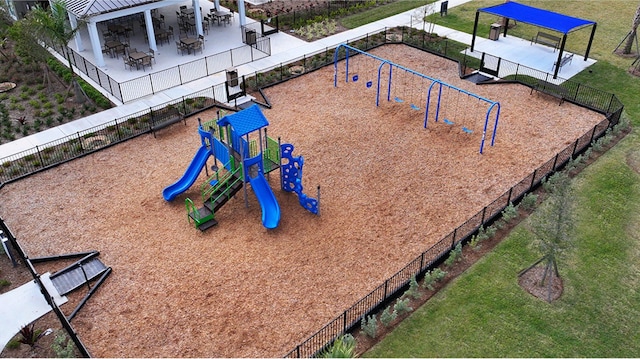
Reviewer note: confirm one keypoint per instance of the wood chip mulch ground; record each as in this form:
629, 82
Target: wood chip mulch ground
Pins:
389, 190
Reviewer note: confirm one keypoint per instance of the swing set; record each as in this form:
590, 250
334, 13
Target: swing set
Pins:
453, 93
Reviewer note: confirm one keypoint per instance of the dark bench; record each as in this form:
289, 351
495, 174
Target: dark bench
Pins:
549, 88
546, 39
565, 59
165, 117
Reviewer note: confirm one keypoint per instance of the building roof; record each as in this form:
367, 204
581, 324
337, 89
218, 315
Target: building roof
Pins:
88, 8
539, 17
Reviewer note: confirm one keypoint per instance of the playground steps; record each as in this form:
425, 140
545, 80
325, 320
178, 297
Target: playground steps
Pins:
77, 274
211, 207
202, 213
214, 206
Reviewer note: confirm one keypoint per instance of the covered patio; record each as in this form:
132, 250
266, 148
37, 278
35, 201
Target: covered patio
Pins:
545, 19
109, 33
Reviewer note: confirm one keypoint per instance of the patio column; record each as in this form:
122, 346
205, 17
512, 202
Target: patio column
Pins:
241, 13
197, 16
151, 35
216, 5
74, 25
92, 28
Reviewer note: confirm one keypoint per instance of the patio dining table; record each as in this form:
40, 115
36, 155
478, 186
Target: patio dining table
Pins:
222, 17
188, 42
138, 57
112, 45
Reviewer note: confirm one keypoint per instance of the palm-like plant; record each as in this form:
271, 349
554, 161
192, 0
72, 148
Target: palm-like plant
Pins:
54, 30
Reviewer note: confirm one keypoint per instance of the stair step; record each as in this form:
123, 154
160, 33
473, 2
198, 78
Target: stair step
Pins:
208, 224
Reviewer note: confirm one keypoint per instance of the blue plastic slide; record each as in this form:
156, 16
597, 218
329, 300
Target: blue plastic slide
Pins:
268, 202
186, 181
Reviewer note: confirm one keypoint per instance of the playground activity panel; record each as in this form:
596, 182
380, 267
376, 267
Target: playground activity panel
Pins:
390, 189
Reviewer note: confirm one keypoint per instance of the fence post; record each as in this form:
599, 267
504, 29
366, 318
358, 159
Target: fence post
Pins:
344, 321
151, 84
509, 197
533, 179
573, 153
453, 241
555, 161
593, 133
484, 213
118, 130
40, 156
80, 142
386, 284
577, 89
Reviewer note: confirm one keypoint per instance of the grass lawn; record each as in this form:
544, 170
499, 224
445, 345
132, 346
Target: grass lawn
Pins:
484, 313
381, 12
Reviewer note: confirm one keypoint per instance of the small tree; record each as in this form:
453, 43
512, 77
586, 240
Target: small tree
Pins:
26, 45
552, 227
633, 33
54, 29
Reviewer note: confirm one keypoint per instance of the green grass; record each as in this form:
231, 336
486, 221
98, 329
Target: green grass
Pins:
381, 12
484, 313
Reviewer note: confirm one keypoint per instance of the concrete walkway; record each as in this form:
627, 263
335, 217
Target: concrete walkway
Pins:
23, 305
284, 49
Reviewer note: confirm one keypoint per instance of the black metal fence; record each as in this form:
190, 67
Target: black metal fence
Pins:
41, 158
81, 143
45, 293
396, 284
178, 75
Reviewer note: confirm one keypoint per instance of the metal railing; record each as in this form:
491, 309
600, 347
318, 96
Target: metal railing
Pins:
155, 82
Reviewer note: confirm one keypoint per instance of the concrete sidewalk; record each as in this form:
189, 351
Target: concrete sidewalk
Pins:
284, 49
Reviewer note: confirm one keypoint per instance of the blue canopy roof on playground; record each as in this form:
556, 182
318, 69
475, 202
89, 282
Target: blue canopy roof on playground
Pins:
245, 121
538, 17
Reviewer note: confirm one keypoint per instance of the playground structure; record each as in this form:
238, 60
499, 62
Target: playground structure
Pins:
237, 142
410, 87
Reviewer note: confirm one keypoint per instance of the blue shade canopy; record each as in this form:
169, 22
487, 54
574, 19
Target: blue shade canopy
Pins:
538, 17
246, 121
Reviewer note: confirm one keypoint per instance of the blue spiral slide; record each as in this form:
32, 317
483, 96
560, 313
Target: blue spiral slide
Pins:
268, 202
190, 175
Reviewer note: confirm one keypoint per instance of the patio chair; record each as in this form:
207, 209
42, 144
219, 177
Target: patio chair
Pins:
205, 27
197, 46
181, 48
120, 50
128, 62
106, 50
201, 40
170, 34
162, 20
146, 61
152, 54
183, 7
